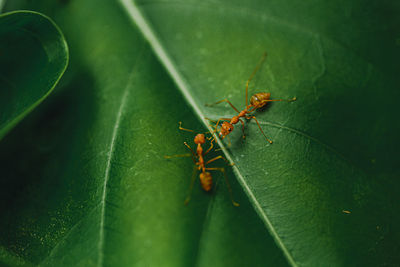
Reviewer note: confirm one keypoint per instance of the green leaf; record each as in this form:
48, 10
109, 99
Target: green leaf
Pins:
33, 57
85, 181
335, 149
327, 190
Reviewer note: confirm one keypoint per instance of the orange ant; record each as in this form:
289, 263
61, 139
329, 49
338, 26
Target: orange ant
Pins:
257, 101
200, 164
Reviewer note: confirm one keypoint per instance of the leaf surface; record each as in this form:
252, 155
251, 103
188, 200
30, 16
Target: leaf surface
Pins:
85, 180
33, 57
325, 189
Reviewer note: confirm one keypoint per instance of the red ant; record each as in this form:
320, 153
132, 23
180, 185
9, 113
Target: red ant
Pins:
257, 101
200, 164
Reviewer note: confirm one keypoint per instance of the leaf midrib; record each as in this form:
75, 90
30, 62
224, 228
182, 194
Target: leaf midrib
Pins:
116, 128
138, 19
107, 175
103, 200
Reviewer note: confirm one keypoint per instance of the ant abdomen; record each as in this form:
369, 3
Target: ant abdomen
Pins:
259, 100
206, 181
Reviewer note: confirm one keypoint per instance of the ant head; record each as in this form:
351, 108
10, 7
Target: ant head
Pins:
206, 181
199, 139
226, 128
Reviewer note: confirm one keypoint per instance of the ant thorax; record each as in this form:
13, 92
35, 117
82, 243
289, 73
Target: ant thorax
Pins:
259, 100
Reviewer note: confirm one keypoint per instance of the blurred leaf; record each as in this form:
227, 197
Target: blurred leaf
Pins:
328, 188
33, 57
84, 179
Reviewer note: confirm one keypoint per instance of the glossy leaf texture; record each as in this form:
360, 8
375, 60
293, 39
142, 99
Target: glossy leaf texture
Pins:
327, 188
84, 180
33, 57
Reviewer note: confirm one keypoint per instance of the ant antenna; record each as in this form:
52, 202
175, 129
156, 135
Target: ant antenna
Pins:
184, 129
189, 196
189, 130
254, 73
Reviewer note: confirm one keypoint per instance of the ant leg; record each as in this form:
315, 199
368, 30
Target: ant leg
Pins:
184, 129
272, 100
253, 117
180, 156
193, 154
210, 119
219, 157
188, 130
252, 75
177, 156
229, 141
244, 136
223, 100
209, 149
212, 138
216, 125
227, 184
191, 185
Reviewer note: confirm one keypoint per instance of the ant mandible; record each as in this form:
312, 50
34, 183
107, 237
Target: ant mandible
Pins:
200, 164
257, 101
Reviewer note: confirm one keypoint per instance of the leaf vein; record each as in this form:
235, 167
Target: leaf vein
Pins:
138, 19
110, 155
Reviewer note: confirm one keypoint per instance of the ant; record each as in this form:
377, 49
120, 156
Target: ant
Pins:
257, 101
200, 164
